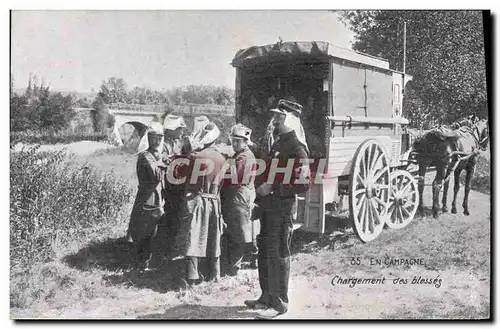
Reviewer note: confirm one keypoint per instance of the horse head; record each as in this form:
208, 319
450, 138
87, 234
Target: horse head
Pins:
468, 121
473, 119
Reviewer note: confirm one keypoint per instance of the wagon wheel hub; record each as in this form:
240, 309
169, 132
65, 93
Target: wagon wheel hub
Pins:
399, 201
372, 190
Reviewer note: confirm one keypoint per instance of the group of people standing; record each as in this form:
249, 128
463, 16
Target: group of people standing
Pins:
205, 215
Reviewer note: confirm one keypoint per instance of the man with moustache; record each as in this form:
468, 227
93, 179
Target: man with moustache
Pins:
278, 205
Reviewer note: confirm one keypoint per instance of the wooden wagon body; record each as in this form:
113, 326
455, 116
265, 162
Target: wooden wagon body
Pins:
352, 112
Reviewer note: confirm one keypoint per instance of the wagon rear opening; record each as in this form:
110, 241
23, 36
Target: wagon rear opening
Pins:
262, 87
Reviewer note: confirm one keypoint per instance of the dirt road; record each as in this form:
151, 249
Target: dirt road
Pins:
454, 281
455, 249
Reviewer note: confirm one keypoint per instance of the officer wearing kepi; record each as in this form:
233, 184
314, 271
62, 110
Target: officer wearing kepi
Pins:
278, 206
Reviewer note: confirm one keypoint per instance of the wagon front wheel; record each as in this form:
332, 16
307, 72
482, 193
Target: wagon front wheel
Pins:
369, 192
404, 199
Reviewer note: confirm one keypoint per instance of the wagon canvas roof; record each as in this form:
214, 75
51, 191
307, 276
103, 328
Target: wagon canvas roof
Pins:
312, 50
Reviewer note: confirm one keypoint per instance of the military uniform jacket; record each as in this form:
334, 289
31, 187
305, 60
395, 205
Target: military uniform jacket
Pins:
148, 205
172, 192
287, 146
238, 199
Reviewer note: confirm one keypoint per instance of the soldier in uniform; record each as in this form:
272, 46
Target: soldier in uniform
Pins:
174, 127
148, 206
200, 216
278, 206
238, 199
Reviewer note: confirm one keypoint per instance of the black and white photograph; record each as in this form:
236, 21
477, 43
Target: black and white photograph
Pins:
250, 164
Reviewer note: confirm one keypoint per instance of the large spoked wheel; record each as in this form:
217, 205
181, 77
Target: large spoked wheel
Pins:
404, 199
369, 192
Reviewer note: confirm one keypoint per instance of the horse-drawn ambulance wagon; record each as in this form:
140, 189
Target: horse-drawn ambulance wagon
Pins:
353, 121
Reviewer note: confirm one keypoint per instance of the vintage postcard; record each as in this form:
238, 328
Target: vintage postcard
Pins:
323, 164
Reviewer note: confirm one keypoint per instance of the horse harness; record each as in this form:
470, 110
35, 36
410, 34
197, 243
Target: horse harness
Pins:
461, 156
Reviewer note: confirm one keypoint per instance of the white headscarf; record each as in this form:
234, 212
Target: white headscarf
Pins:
293, 122
211, 133
144, 144
199, 123
172, 122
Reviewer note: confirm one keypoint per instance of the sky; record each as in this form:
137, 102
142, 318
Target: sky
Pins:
77, 50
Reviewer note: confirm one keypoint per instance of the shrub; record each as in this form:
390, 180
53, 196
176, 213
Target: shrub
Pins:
102, 120
40, 110
53, 203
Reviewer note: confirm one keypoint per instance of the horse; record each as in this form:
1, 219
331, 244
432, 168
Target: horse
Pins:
468, 121
446, 148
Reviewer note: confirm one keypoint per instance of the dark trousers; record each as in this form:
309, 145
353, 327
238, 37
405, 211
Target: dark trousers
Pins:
163, 241
274, 243
144, 249
192, 272
234, 253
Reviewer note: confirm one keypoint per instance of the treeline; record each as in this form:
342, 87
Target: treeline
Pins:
38, 111
115, 90
38, 108
445, 54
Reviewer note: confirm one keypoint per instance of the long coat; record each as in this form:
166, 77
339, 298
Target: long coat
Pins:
200, 217
171, 191
172, 196
238, 199
148, 205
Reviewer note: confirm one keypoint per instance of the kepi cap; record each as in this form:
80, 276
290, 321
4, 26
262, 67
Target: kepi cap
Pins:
289, 106
241, 132
277, 110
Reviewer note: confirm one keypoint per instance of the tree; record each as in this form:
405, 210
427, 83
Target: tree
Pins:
83, 102
55, 110
445, 56
18, 113
39, 108
114, 90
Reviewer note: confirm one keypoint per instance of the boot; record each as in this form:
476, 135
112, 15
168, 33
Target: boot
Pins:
144, 255
256, 304
282, 290
236, 253
253, 262
263, 271
214, 269
192, 269
264, 300
279, 270
268, 314
129, 237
